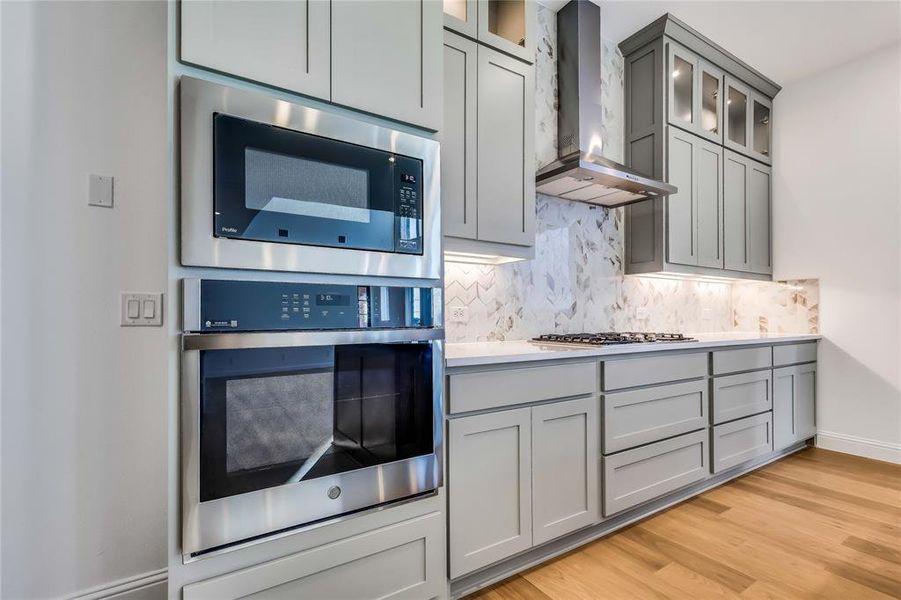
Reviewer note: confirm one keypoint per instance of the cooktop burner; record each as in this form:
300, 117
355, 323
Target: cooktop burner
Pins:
608, 338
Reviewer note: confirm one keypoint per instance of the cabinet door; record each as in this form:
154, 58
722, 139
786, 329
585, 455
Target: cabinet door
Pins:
510, 26
490, 493
459, 144
794, 404
386, 59
506, 154
694, 213
283, 44
747, 215
462, 16
710, 102
565, 464
761, 127
737, 115
694, 93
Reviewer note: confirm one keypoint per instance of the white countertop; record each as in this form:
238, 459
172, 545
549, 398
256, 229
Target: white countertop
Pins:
466, 354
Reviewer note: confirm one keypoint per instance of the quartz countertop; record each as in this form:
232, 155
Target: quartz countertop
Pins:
466, 354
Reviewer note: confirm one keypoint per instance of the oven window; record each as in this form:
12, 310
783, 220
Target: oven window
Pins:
275, 416
299, 186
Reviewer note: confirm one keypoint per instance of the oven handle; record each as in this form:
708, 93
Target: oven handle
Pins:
283, 339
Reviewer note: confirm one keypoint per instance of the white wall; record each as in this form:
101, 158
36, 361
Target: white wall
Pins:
84, 402
837, 216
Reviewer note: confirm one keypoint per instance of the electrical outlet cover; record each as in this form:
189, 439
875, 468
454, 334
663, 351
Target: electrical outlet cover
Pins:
100, 190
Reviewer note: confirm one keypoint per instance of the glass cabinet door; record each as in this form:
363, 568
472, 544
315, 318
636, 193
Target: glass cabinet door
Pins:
681, 91
710, 102
509, 26
761, 128
462, 16
737, 110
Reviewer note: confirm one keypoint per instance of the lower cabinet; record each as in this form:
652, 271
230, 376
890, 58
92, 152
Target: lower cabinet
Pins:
741, 441
794, 404
520, 477
742, 395
400, 561
644, 473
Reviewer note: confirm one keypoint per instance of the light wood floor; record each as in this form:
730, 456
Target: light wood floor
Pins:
817, 524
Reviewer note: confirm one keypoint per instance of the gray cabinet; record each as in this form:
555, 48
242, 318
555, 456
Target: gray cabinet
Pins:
459, 155
282, 44
386, 59
489, 488
695, 213
641, 474
694, 93
794, 404
677, 95
740, 441
506, 25
564, 467
402, 561
747, 211
656, 368
506, 149
742, 395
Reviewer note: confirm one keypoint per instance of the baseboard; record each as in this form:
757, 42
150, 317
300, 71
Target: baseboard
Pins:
850, 444
131, 588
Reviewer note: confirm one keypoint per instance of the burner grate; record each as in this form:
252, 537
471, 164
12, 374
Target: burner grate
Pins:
610, 338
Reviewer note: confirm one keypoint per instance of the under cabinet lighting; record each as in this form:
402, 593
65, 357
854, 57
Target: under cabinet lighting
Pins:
478, 259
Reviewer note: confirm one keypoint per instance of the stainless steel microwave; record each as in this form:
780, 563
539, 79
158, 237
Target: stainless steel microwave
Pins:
269, 184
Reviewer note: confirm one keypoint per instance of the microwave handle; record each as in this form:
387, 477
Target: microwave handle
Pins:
284, 339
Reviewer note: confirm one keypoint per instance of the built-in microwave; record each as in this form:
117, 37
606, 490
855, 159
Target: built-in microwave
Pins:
270, 184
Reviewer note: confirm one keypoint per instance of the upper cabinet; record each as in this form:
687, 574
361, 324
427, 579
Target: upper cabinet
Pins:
335, 51
506, 25
386, 59
282, 44
701, 119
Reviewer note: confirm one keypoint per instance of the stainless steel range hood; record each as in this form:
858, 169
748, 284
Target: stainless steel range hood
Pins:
580, 173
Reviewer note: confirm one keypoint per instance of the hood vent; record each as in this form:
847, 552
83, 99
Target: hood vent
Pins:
580, 173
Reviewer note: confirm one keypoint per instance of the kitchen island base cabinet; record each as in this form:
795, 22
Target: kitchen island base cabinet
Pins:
642, 474
564, 467
490, 483
740, 441
794, 404
403, 561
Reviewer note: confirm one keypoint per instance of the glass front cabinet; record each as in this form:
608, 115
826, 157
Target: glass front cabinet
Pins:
694, 94
748, 127
506, 25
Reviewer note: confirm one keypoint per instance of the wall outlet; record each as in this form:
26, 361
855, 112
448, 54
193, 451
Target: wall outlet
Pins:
459, 314
100, 191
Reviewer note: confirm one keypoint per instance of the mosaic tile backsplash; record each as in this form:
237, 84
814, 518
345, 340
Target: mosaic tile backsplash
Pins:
576, 281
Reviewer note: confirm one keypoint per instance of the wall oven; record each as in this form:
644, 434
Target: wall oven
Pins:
269, 184
305, 402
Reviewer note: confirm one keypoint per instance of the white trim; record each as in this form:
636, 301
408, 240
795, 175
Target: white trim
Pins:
849, 444
122, 586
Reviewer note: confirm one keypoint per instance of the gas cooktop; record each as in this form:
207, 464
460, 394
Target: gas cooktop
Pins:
608, 338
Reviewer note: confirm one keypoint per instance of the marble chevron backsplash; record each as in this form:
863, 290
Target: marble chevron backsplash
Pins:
576, 282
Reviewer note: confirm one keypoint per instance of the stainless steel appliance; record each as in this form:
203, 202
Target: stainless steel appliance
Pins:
611, 338
269, 184
303, 402
580, 173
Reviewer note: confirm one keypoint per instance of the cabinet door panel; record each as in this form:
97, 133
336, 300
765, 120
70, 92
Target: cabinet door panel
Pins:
283, 44
736, 172
682, 88
741, 441
761, 127
710, 102
794, 404
459, 160
759, 220
510, 26
462, 16
386, 59
565, 464
490, 493
680, 214
709, 201
736, 396
736, 134
506, 156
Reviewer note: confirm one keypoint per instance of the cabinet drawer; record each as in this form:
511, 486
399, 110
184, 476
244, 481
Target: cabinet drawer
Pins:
742, 395
404, 560
745, 359
646, 415
642, 474
492, 389
740, 441
794, 353
632, 372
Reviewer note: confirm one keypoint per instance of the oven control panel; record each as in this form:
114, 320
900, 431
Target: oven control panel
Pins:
228, 305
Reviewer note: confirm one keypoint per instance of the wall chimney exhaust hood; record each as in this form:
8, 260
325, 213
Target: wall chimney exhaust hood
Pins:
580, 173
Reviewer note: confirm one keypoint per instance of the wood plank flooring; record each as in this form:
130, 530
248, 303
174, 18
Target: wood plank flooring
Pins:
817, 524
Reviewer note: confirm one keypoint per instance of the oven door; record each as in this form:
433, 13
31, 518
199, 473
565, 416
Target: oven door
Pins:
281, 430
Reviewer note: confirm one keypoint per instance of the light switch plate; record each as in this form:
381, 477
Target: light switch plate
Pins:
100, 190
149, 309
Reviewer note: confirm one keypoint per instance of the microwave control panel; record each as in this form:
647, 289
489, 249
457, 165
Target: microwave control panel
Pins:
227, 305
408, 205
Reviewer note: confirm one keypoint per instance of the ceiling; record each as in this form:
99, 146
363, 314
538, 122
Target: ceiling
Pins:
785, 40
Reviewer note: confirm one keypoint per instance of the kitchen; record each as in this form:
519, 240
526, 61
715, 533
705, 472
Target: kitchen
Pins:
472, 298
